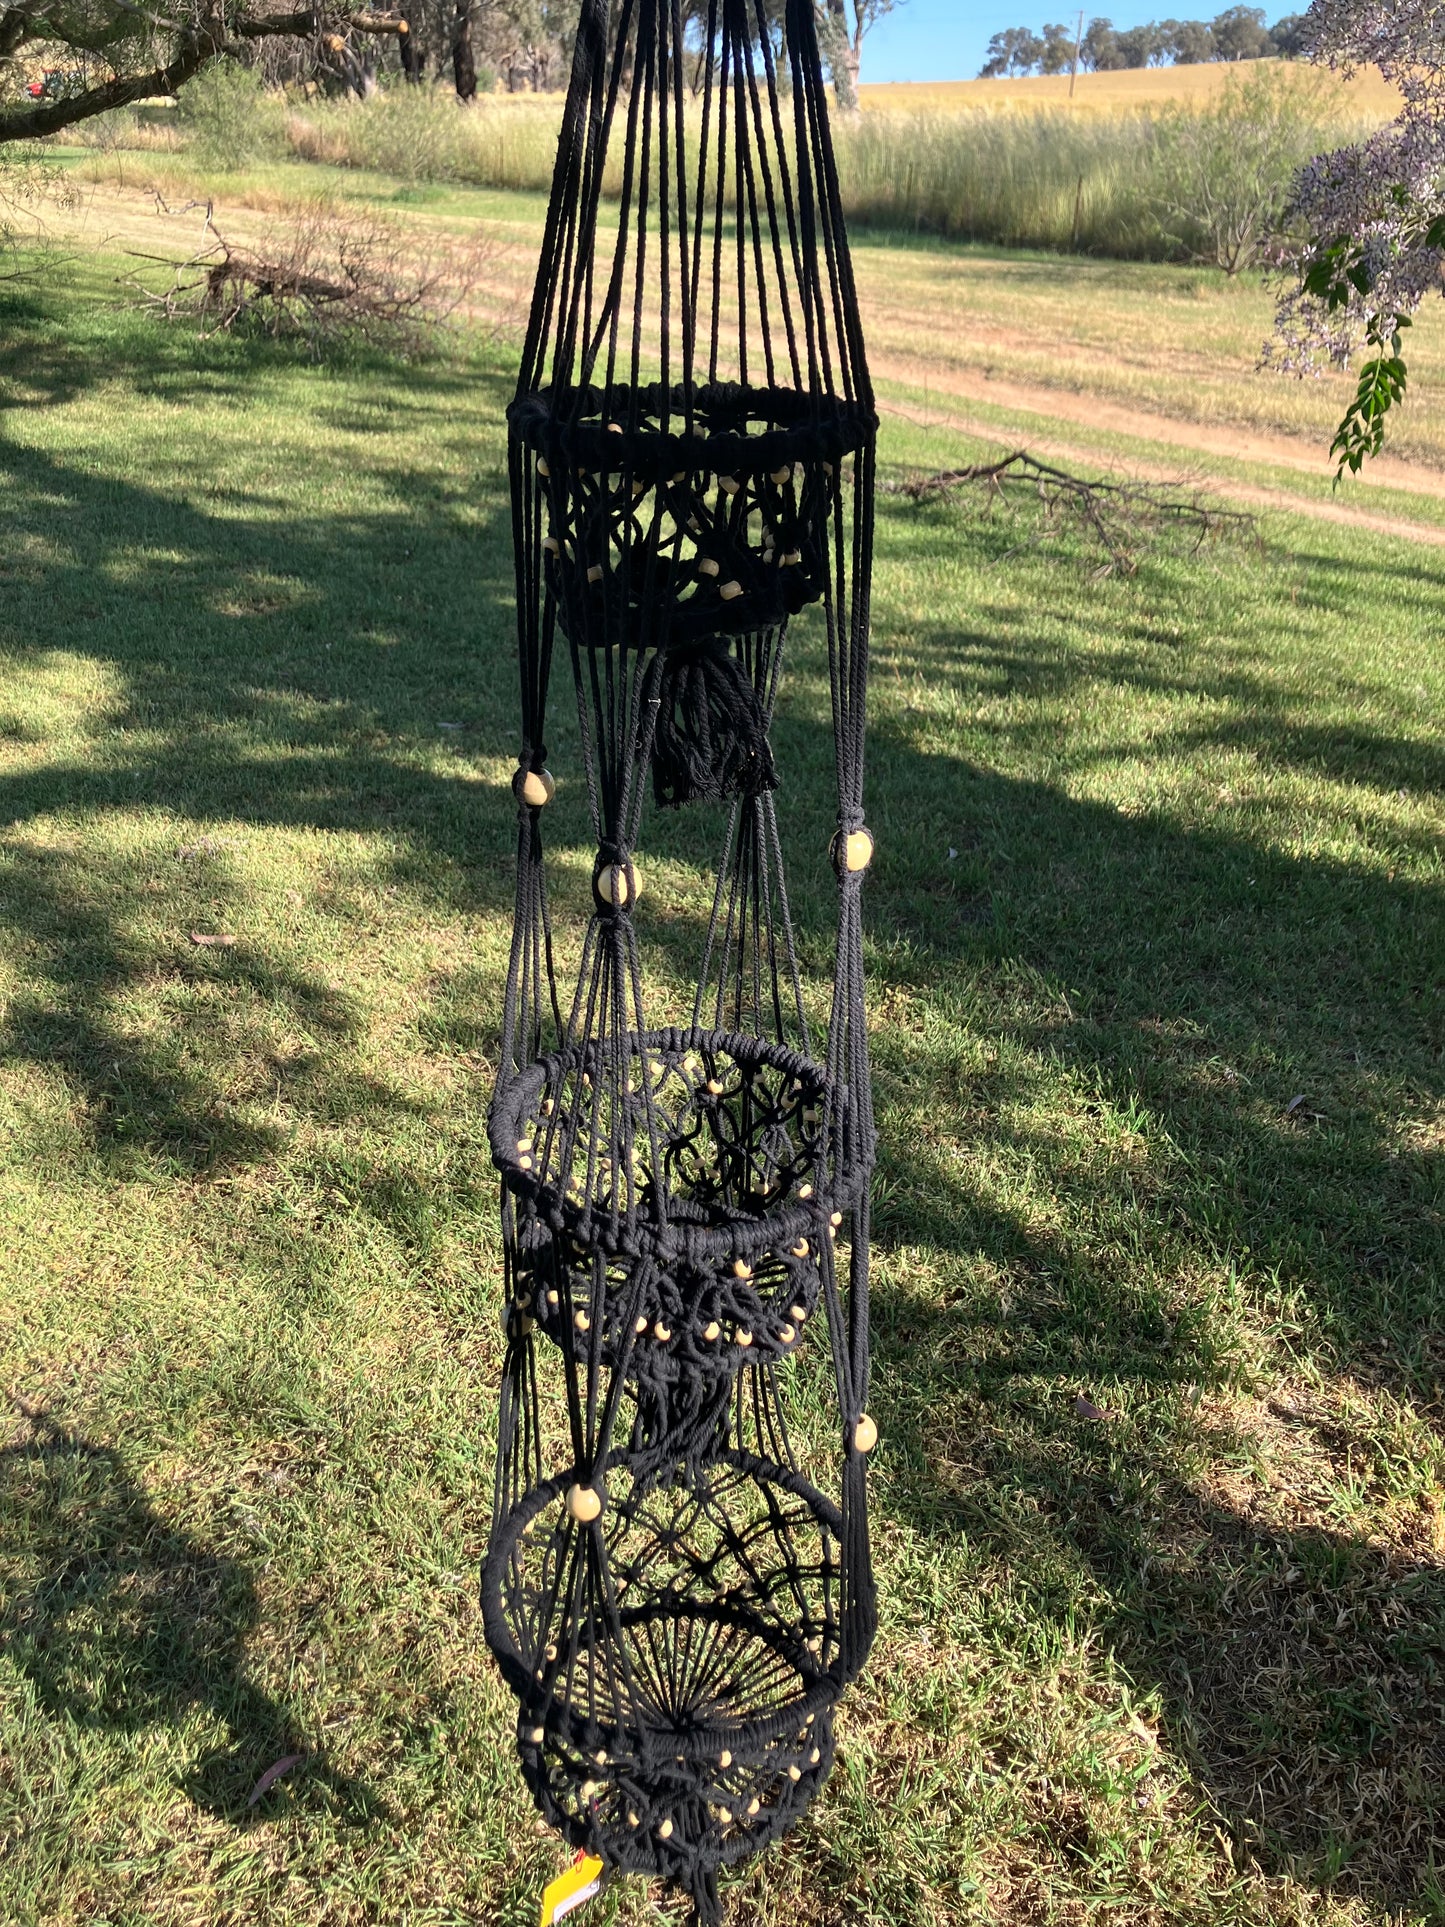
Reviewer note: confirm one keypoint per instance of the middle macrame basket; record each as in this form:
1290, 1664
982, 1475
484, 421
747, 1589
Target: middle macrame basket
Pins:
676, 1594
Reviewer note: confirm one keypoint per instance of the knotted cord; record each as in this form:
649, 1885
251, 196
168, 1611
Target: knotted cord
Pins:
677, 1608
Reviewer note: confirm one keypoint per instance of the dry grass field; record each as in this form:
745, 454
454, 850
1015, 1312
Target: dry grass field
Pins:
1135, 90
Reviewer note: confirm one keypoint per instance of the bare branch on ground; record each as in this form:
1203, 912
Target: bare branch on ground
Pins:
1122, 516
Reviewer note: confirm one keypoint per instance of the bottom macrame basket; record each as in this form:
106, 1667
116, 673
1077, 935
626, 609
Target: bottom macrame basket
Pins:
676, 1660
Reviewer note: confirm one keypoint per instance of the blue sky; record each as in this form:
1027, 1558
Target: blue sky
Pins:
945, 39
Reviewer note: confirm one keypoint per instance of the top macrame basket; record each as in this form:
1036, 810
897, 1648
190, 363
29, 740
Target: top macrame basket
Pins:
673, 1596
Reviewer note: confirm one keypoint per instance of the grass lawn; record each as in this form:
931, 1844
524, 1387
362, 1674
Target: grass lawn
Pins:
1156, 939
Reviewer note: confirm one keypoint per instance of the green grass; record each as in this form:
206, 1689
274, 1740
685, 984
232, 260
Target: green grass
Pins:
1157, 857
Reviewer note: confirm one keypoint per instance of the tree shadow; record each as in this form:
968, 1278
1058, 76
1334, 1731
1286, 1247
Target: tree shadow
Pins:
117, 1621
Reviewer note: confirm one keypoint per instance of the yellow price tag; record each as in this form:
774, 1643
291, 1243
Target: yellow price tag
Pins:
581, 1882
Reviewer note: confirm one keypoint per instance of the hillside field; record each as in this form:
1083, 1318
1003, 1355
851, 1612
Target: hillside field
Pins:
1363, 96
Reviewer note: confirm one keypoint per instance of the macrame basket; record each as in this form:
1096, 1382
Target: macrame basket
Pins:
677, 1669
670, 1589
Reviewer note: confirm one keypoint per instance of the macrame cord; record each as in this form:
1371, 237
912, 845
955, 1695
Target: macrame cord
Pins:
676, 1605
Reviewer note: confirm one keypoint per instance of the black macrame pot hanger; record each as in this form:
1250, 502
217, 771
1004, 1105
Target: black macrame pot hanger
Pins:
671, 1592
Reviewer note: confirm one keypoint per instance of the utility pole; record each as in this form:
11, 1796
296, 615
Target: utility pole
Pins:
1078, 49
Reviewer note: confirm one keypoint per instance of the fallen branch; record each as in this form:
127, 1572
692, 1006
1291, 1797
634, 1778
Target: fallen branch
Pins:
1120, 515
325, 277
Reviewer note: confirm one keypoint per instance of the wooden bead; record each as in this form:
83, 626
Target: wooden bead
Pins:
805, 1190
815, 1756
664, 1832
786, 1334
754, 1805
724, 1816
865, 1434
633, 1821
552, 1298
640, 1327
781, 475
589, 1789
542, 469
537, 788
708, 565
801, 1248
729, 484
744, 1338
582, 1321
594, 574
661, 1332
858, 850
792, 559
537, 1735
730, 591
797, 1313
724, 1758
615, 885
741, 1268
585, 1504
714, 1088
836, 1220
713, 1332
551, 545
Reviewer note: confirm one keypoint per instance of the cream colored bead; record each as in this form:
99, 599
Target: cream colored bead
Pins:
537, 1735
781, 475
616, 886
594, 574
664, 1832
551, 545
552, 1298
640, 1327
800, 1249
815, 1756
724, 1758
858, 850
805, 1190
524, 1164
708, 565
744, 1338
538, 788
865, 1434
836, 1220
585, 1505
730, 591
715, 1089
797, 1313
754, 1806
795, 1773
791, 560
661, 1332
786, 1334
633, 1821
729, 484
589, 1789
582, 1321
741, 1268
713, 1332
542, 469
725, 1816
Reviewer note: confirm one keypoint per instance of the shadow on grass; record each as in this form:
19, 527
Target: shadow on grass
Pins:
117, 1621
1177, 985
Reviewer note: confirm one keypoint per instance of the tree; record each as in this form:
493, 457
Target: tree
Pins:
1239, 34
112, 53
1287, 36
1140, 46
1100, 51
1014, 51
1058, 54
1364, 238
1187, 42
844, 26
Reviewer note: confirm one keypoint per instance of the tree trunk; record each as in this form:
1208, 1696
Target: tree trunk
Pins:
464, 65
412, 60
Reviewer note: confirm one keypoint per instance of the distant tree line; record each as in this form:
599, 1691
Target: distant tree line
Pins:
1237, 34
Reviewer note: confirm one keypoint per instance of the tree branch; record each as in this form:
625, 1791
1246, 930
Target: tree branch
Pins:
49, 117
198, 47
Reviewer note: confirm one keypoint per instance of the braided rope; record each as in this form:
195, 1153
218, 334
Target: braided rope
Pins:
692, 461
